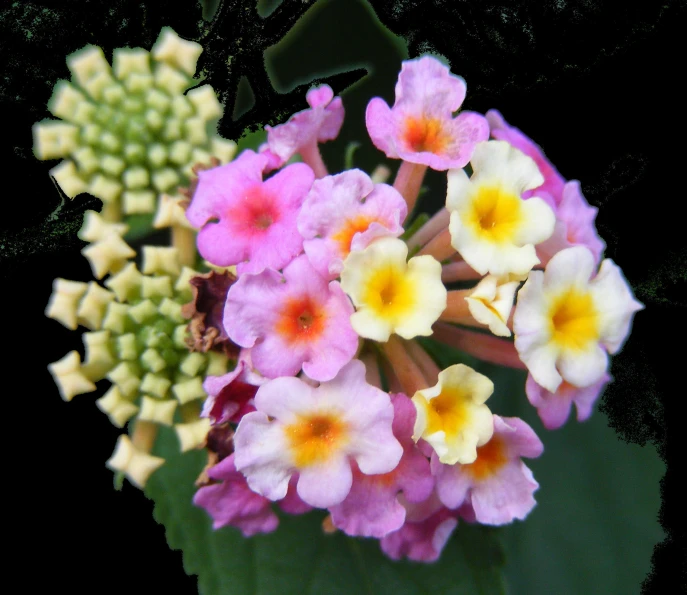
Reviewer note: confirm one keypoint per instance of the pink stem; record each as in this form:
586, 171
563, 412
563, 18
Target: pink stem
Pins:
458, 271
432, 227
456, 306
408, 182
408, 372
312, 157
439, 246
485, 347
424, 360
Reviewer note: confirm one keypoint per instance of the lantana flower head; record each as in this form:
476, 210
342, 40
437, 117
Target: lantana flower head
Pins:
346, 212
420, 127
497, 483
305, 129
390, 294
256, 225
491, 226
317, 432
452, 416
291, 320
567, 320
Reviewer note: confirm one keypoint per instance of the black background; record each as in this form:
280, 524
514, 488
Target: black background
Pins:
596, 83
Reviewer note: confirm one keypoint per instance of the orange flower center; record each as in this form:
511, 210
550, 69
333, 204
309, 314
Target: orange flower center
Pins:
300, 320
490, 458
344, 236
424, 134
315, 438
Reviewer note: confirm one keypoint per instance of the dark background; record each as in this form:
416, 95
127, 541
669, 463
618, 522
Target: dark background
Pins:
595, 83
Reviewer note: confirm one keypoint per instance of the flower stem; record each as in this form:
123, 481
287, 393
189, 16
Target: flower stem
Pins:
408, 182
480, 345
435, 225
456, 306
112, 211
144, 434
458, 271
409, 373
311, 156
424, 360
184, 240
439, 246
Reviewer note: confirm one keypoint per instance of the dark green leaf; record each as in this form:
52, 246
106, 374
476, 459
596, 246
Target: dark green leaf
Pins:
299, 557
598, 499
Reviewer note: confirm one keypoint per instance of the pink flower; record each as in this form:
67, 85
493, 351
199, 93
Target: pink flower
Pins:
553, 181
498, 484
292, 320
574, 225
554, 408
256, 225
231, 396
423, 536
420, 127
316, 432
320, 123
371, 508
346, 212
232, 502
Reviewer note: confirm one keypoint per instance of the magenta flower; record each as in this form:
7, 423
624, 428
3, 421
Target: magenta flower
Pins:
231, 396
426, 531
498, 484
256, 220
232, 502
321, 122
346, 212
420, 127
292, 320
316, 432
371, 508
554, 408
574, 225
553, 181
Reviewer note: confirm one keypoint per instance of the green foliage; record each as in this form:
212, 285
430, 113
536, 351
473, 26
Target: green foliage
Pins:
596, 522
299, 557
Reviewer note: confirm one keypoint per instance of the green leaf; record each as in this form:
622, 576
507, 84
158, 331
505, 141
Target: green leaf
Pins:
299, 557
596, 522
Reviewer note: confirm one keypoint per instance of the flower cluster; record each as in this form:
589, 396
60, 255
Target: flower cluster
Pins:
138, 339
128, 133
334, 403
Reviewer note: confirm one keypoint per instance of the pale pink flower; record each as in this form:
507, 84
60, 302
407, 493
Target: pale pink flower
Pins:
292, 320
316, 432
554, 408
346, 212
498, 484
420, 127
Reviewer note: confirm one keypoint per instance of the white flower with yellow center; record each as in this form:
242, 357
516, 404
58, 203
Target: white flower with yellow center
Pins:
492, 227
390, 294
566, 322
452, 416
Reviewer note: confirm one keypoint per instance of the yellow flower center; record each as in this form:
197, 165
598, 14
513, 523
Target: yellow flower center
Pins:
447, 413
495, 214
315, 438
389, 293
574, 320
